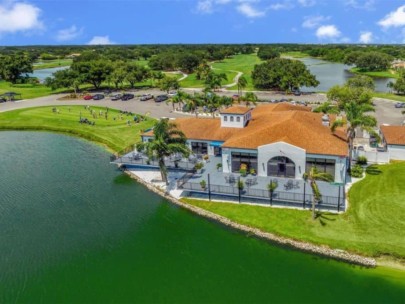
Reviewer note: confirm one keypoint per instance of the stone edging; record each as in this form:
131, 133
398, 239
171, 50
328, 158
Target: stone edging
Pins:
336, 254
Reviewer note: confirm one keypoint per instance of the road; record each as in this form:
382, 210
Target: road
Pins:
386, 113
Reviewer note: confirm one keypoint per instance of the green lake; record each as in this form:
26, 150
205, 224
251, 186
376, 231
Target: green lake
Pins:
75, 229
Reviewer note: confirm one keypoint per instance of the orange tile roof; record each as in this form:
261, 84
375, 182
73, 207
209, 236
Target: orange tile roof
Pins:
394, 135
236, 110
292, 124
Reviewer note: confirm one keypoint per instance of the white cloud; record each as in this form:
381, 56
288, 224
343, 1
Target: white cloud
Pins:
327, 32
69, 33
307, 3
100, 40
314, 21
208, 6
281, 6
361, 4
394, 19
366, 37
249, 11
19, 17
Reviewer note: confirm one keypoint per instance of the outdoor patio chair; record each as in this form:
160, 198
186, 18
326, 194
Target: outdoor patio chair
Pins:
254, 181
297, 185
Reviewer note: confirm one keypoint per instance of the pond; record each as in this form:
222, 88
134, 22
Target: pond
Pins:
75, 229
331, 73
42, 74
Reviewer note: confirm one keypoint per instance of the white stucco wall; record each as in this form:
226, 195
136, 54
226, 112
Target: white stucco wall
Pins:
397, 152
226, 160
267, 152
235, 124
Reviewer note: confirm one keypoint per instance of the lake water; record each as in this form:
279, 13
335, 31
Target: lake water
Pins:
331, 73
75, 229
42, 74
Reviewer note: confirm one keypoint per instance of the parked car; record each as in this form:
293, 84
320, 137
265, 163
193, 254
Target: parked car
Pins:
87, 97
2, 100
172, 93
116, 97
127, 96
161, 98
98, 97
400, 105
297, 92
146, 97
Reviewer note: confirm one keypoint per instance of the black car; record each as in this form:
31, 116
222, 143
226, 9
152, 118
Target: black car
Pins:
116, 97
98, 96
127, 96
2, 100
161, 98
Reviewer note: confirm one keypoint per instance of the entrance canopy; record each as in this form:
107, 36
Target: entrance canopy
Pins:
216, 143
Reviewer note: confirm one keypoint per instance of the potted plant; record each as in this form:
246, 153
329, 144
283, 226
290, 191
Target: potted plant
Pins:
252, 171
272, 186
203, 184
206, 157
198, 167
219, 166
240, 185
243, 169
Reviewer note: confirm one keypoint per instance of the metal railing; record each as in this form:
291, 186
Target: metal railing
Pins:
142, 161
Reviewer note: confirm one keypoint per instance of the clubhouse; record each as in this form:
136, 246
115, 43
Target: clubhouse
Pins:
278, 140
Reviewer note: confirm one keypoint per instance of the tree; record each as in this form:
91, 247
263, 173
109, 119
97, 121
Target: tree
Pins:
313, 175
188, 62
118, 74
373, 61
12, 67
361, 81
346, 94
168, 83
266, 53
202, 71
214, 80
135, 73
241, 83
64, 79
167, 140
327, 107
284, 74
156, 75
250, 98
179, 98
94, 71
272, 186
399, 85
356, 118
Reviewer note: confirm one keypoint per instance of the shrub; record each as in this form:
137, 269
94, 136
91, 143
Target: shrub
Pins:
362, 160
219, 166
356, 171
203, 184
198, 166
252, 171
240, 185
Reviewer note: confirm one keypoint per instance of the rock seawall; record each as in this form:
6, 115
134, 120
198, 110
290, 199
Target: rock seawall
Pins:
303, 246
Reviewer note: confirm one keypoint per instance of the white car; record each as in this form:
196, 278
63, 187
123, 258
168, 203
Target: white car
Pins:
172, 93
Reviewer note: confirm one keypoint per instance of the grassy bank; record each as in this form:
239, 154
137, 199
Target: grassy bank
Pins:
52, 64
372, 226
114, 134
27, 90
382, 74
389, 96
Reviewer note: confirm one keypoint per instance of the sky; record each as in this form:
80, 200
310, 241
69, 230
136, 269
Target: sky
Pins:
64, 22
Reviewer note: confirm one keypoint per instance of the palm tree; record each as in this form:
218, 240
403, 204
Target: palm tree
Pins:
327, 107
313, 175
249, 98
272, 186
356, 117
241, 83
167, 140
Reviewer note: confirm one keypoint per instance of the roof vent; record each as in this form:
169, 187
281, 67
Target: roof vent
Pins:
325, 120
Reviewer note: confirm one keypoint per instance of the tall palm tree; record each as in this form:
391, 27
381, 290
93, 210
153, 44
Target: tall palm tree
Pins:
241, 83
356, 117
313, 175
167, 140
249, 98
179, 98
272, 186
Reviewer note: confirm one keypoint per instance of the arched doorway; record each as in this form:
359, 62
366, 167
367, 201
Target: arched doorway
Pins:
281, 166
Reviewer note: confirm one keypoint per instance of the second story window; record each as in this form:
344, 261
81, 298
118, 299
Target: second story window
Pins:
238, 119
231, 118
225, 118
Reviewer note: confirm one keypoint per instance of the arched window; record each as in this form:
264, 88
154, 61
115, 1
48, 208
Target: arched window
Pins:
231, 118
281, 166
238, 119
225, 118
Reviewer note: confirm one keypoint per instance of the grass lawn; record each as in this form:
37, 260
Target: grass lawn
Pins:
27, 90
374, 225
296, 54
389, 96
192, 82
114, 134
383, 74
52, 63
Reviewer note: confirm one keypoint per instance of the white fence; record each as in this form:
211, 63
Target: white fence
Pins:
374, 157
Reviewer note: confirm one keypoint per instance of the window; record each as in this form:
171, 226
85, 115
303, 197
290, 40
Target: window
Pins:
249, 159
238, 119
231, 119
281, 166
323, 165
199, 147
225, 118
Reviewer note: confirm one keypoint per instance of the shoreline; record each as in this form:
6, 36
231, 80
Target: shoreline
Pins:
325, 251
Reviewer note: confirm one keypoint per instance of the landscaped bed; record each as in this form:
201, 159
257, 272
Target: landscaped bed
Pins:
374, 224
116, 134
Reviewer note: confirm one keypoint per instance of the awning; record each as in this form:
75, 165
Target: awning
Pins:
216, 143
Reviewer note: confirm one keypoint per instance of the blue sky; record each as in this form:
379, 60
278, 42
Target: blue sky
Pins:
28, 22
